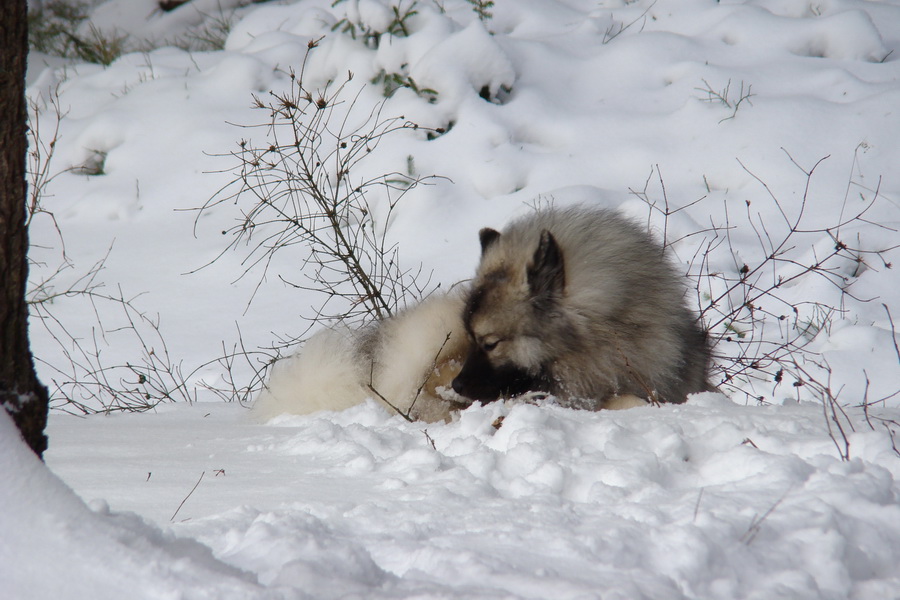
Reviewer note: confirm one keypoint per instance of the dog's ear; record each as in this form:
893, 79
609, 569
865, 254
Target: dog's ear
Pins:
547, 273
487, 236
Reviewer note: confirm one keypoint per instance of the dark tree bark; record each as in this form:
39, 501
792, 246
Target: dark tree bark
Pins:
21, 394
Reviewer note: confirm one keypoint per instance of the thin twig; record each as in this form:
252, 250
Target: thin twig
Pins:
757, 521
188, 496
893, 330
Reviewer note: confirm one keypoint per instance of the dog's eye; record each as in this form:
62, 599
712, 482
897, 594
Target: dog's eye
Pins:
489, 344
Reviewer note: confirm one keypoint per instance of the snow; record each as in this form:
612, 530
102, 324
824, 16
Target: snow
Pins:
54, 546
706, 500
611, 103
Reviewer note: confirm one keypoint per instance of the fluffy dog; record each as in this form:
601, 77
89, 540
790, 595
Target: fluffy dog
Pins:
581, 304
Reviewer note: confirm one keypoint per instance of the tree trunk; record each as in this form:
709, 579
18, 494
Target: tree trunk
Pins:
21, 394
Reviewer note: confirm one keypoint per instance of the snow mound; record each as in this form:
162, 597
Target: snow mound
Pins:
54, 546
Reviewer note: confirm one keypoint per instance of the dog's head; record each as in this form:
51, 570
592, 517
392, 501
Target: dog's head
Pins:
512, 301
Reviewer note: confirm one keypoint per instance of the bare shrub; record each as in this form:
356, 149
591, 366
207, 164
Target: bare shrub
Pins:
87, 380
53, 27
760, 325
483, 9
763, 307
242, 372
212, 31
40, 155
725, 97
617, 28
356, 27
300, 187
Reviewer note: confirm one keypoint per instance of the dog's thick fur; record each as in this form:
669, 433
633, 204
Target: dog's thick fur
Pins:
581, 304
408, 359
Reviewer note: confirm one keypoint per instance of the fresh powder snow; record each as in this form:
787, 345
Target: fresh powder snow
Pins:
741, 133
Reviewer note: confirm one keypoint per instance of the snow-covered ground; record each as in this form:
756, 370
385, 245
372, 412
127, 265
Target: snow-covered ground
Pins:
723, 108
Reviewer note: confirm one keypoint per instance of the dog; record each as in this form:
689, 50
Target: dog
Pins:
580, 304
407, 362
583, 305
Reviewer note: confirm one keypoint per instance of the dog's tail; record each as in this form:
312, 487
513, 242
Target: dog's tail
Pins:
324, 376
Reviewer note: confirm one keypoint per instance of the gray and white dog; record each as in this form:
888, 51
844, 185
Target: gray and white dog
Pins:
581, 304
577, 303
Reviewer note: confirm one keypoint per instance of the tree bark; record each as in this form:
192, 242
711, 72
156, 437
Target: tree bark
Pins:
21, 394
